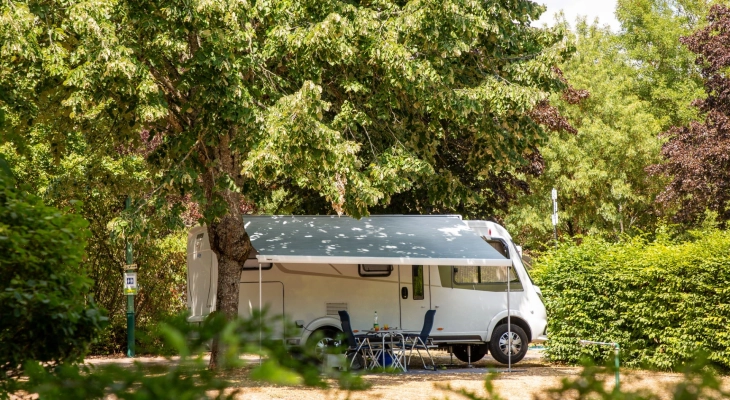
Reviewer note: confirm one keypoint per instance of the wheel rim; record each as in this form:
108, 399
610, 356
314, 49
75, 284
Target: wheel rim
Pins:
516, 343
320, 348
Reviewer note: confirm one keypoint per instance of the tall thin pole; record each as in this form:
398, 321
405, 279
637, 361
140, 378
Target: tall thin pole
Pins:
261, 306
130, 268
555, 216
509, 327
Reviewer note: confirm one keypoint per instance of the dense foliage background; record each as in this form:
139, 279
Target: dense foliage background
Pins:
46, 313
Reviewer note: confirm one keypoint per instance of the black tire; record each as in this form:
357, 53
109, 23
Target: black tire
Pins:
478, 351
323, 341
498, 344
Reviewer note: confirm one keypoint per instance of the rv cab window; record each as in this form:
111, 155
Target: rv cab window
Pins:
198, 246
498, 245
252, 263
374, 270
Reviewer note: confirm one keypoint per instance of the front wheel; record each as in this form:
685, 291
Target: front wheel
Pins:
499, 344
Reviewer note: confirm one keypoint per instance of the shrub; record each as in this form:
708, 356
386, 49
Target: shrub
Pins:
661, 301
45, 314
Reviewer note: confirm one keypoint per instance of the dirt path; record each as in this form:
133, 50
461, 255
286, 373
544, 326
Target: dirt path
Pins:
529, 378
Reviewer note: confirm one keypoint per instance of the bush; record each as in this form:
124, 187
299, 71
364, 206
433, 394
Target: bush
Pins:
661, 301
45, 314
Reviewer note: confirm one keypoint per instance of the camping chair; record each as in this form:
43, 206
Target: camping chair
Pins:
357, 345
421, 341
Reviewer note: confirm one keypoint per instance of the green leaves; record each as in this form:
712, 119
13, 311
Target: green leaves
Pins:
335, 84
661, 301
599, 171
46, 313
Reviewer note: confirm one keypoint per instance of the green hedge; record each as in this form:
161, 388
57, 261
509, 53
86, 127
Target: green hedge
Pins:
661, 301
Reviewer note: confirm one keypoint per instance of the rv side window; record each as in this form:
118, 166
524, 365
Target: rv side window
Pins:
374, 270
497, 275
474, 275
418, 292
252, 263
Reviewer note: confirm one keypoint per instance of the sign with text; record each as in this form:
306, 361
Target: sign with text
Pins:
130, 283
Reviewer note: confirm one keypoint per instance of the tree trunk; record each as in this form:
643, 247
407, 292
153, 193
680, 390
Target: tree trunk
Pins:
231, 244
228, 238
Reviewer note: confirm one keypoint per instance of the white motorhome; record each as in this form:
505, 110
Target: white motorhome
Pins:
310, 267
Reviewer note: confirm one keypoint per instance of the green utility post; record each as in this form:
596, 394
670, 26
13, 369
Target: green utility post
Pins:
130, 289
616, 350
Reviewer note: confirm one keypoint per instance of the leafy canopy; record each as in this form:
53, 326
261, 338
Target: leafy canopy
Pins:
667, 76
598, 170
352, 101
696, 155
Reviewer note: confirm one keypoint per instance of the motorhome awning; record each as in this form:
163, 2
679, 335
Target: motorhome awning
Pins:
394, 240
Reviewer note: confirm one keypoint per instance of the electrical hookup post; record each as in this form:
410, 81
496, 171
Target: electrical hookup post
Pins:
130, 290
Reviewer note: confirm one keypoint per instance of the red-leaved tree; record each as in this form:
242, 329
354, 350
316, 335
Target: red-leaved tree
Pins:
698, 156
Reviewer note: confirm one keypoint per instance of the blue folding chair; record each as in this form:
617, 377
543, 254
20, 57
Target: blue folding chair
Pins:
421, 341
357, 345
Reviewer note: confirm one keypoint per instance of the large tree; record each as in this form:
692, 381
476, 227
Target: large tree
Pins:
256, 101
697, 156
599, 168
641, 81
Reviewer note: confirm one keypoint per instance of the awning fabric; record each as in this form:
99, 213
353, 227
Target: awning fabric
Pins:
393, 239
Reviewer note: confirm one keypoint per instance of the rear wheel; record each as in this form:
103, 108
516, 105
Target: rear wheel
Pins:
499, 345
329, 341
324, 341
461, 351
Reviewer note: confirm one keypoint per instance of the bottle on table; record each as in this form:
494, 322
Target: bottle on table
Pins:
375, 323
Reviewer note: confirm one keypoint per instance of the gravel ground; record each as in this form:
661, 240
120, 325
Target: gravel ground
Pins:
529, 377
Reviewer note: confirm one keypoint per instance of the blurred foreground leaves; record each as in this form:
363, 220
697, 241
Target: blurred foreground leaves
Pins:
188, 377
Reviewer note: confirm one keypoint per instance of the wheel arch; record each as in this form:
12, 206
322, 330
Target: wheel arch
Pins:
516, 319
320, 323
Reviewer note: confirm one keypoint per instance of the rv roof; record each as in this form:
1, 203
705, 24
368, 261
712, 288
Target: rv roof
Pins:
399, 240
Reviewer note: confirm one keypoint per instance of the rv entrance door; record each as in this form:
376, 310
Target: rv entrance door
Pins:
414, 295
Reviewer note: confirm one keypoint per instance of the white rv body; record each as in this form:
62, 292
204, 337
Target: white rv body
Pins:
311, 293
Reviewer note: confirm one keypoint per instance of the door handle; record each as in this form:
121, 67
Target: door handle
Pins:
435, 306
